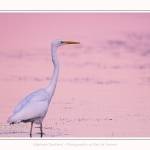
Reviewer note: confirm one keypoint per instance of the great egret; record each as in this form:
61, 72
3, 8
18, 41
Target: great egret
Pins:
33, 107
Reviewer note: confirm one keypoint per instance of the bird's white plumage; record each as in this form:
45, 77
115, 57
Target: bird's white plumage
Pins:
33, 107
34, 97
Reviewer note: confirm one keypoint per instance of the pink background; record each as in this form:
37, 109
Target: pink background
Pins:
103, 85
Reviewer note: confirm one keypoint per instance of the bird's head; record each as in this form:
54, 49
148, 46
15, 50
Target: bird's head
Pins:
59, 42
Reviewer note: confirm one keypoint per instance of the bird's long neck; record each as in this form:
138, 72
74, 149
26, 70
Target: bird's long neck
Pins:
51, 87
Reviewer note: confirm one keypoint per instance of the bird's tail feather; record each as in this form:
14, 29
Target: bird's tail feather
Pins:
12, 119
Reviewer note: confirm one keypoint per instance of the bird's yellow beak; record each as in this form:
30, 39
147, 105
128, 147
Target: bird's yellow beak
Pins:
71, 42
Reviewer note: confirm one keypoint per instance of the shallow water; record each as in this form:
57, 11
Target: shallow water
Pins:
102, 90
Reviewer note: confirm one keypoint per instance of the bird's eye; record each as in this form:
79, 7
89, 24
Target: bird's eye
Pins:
62, 42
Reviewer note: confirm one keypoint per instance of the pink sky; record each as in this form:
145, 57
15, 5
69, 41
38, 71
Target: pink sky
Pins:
38, 30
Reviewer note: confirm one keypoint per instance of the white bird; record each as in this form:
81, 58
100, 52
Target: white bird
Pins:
33, 107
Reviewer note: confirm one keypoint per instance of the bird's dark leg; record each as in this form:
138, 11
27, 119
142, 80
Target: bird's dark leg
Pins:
31, 129
30, 135
41, 128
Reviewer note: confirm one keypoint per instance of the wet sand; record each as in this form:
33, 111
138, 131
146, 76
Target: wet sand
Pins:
102, 90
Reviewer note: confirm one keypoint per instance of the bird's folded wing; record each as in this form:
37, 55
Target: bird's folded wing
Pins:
34, 97
32, 109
